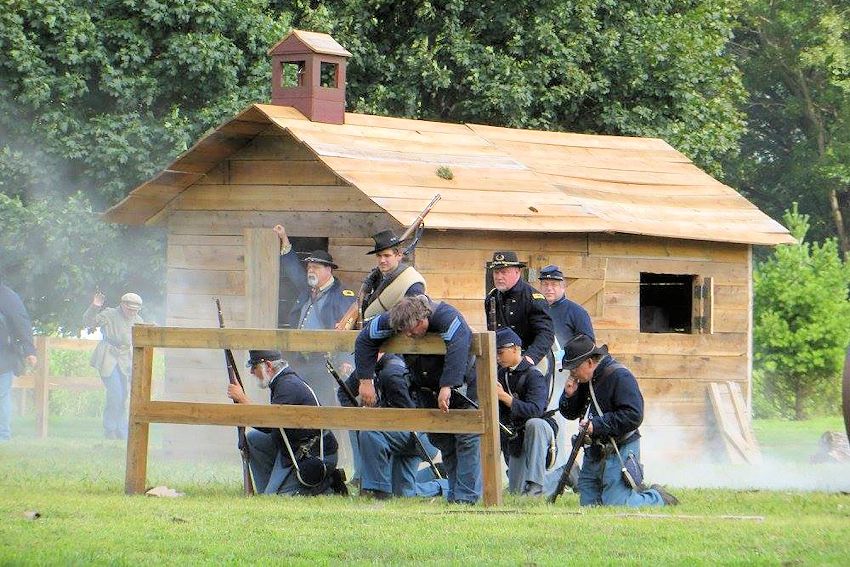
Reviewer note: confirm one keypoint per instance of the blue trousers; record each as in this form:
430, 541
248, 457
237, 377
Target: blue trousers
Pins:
6, 405
270, 475
600, 482
462, 459
390, 462
527, 472
115, 410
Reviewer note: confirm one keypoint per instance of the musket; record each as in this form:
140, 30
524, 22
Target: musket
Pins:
353, 399
233, 378
508, 431
578, 443
351, 317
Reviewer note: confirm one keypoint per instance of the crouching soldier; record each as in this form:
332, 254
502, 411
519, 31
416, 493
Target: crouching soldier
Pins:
434, 375
614, 405
523, 394
288, 460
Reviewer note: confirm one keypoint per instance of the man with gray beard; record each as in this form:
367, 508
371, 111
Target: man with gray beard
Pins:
288, 460
320, 303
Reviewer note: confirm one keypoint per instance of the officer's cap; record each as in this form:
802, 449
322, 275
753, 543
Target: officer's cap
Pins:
551, 272
506, 337
505, 259
321, 257
257, 356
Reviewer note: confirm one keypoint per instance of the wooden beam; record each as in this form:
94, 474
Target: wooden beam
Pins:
139, 430
41, 388
262, 260
491, 469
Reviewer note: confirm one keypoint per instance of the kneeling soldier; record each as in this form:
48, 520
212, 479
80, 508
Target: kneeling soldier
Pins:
288, 460
523, 394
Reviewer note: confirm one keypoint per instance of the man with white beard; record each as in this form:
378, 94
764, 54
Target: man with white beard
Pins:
288, 460
320, 303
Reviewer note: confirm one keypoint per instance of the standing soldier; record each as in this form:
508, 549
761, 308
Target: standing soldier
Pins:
321, 302
16, 347
113, 356
392, 278
569, 318
514, 303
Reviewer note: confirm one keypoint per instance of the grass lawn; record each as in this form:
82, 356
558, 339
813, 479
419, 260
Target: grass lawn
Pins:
75, 480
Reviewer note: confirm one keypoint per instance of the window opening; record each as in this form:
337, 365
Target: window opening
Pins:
666, 303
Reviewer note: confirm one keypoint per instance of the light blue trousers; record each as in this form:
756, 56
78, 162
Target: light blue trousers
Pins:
601, 483
6, 405
270, 476
115, 409
527, 472
390, 462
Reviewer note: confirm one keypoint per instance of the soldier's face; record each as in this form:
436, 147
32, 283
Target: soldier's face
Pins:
417, 331
318, 274
129, 311
505, 278
552, 290
388, 260
262, 372
508, 356
584, 371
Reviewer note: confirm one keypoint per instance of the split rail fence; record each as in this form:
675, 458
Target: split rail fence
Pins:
144, 410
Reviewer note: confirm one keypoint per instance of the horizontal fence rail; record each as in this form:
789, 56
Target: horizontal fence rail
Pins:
144, 411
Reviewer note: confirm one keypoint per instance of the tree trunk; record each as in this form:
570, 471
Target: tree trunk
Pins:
838, 219
800, 395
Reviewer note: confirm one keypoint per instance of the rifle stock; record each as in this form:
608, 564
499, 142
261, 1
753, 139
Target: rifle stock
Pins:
580, 438
234, 378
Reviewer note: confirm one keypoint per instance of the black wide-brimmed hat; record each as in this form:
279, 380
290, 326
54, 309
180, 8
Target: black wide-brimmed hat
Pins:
551, 272
385, 239
257, 356
505, 259
578, 349
321, 257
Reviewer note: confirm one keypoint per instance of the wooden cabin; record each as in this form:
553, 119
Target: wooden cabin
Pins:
658, 251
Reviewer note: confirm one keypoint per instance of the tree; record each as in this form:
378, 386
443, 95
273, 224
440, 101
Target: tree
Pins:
95, 97
631, 67
801, 321
795, 57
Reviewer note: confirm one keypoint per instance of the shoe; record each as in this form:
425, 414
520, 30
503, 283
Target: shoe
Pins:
376, 494
338, 482
669, 499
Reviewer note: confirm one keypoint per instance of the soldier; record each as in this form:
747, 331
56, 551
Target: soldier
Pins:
113, 356
435, 377
16, 348
392, 278
519, 306
615, 413
288, 460
321, 302
523, 395
569, 318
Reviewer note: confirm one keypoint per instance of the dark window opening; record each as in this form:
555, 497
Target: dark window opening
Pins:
666, 303
287, 292
328, 75
291, 74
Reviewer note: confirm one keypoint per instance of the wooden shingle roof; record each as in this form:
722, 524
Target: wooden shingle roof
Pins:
503, 179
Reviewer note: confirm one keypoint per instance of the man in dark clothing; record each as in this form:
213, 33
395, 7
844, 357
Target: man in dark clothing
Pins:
320, 303
519, 306
272, 450
391, 279
16, 348
434, 376
615, 404
389, 460
523, 394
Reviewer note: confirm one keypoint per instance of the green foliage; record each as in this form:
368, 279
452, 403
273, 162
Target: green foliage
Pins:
795, 57
801, 325
635, 67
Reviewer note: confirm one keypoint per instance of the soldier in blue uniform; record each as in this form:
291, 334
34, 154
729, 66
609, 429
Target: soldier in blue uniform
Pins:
270, 459
569, 318
321, 302
434, 376
390, 460
519, 306
615, 414
523, 394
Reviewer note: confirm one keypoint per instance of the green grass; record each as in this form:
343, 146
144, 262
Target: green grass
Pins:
75, 480
795, 441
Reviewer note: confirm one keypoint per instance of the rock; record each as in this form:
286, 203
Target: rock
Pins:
163, 492
833, 448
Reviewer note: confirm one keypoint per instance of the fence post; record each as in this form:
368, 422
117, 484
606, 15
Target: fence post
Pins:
491, 468
137, 436
41, 386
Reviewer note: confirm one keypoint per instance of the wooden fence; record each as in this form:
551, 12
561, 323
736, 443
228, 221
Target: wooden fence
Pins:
144, 411
40, 381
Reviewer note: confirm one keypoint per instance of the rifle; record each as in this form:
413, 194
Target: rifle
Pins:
233, 378
351, 317
578, 443
353, 399
508, 431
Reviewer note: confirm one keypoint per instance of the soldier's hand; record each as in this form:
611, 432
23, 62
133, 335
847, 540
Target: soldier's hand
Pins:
31, 361
237, 394
503, 396
367, 393
280, 231
346, 368
570, 386
443, 398
98, 299
588, 424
